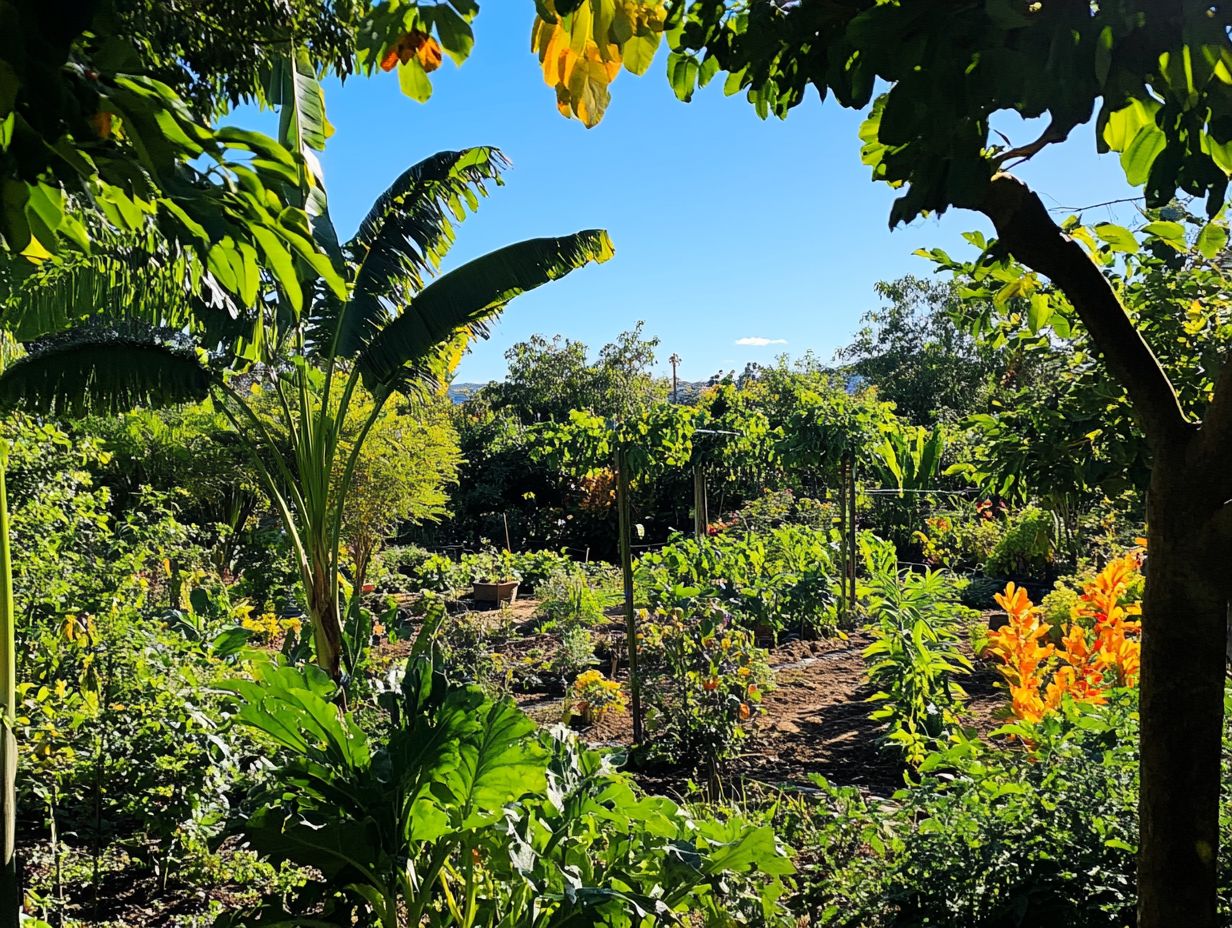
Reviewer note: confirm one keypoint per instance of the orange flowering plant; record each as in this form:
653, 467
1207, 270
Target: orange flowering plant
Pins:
1099, 649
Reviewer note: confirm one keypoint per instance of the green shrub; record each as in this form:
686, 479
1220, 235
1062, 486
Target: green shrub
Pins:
917, 628
775, 508
576, 651
569, 597
960, 540
703, 682
268, 577
783, 579
1057, 607
392, 567
465, 650
436, 573
536, 567
1028, 548
980, 592
991, 836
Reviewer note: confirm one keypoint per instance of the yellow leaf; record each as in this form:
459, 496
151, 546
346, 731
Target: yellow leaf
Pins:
577, 68
35, 252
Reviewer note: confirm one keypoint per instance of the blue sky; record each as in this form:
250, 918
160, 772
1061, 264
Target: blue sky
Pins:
726, 227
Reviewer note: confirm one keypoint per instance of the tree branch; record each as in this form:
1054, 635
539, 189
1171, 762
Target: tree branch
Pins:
1051, 136
1215, 435
1024, 226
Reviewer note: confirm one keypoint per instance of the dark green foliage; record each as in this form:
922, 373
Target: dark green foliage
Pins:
463, 301
548, 379
461, 779
103, 375
918, 358
401, 241
948, 71
775, 508
1028, 547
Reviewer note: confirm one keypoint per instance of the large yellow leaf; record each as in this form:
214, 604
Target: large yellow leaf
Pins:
576, 67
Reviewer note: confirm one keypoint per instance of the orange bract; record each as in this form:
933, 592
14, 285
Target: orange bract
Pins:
1099, 650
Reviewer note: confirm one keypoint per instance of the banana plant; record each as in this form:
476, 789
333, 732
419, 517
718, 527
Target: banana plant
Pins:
392, 330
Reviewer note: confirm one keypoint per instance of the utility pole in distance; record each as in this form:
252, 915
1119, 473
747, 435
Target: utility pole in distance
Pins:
674, 360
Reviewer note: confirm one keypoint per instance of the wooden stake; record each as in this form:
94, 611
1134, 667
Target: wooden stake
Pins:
626, 568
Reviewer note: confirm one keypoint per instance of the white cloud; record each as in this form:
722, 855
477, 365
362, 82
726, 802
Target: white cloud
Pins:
756, 341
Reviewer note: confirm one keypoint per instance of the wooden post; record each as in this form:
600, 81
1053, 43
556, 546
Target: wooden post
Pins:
626, 569
701, 506
842, 542
851, 562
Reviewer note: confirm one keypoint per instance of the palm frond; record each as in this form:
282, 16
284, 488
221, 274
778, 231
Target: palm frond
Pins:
459, 305
93, 371
123, 287
139, 281
402, 240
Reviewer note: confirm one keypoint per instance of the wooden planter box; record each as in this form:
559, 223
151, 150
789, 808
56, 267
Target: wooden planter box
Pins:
505, 591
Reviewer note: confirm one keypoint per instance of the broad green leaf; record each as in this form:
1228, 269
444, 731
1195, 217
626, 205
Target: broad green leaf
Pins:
1172, 232
639, 52
413, 80
1039, 312
1124, 124
279, 263
1212, 240
466, 299
294, 89
682, 73
103, 373
1137, 159
1118, 237
455, 33
404, 237
750, 849
504, 763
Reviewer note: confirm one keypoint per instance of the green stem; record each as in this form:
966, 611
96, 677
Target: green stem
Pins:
276, 497
10, 894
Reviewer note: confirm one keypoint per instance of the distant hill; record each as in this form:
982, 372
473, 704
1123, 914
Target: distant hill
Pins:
461, 392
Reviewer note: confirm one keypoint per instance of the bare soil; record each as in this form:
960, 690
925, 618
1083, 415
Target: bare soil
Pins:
815, 720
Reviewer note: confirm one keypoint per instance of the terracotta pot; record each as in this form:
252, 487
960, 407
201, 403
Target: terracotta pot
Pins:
503, 591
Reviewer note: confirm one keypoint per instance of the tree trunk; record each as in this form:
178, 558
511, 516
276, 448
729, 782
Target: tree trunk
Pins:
326, 625
1184, 610
1181, 703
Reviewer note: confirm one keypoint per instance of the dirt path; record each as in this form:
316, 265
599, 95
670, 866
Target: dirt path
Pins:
815, 720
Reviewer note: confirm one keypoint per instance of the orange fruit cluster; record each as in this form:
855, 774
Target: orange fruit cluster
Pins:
1099, 650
